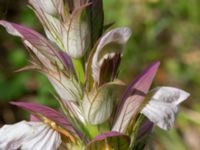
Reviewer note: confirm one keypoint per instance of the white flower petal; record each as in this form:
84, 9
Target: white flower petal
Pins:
29, 135
110, 44
15, 135
161, 114
163, 106
117, 35
170, 95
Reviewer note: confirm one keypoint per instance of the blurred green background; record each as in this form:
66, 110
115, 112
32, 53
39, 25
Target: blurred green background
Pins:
164, 30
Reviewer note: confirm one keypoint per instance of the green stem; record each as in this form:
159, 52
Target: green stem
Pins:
93, 130
79, 70
136, 130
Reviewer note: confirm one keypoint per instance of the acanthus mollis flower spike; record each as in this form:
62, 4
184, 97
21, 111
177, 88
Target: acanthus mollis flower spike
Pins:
163, 106
131, 102
56, 65
69, 29
88, 96
50, 132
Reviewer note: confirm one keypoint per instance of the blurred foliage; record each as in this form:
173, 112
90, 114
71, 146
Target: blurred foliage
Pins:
164, 30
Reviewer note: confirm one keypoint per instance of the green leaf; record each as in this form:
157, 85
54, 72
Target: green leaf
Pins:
96, 20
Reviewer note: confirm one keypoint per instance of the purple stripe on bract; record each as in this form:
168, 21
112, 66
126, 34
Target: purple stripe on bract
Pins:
142, 83
49, 113
131, 102
109, 139
145, 129
67, 62
34, 118
44, 49
110, 134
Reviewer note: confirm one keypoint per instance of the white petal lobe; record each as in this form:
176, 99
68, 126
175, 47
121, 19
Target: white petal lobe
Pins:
29, 136
111, 43
163, 106
161, 114
170, 95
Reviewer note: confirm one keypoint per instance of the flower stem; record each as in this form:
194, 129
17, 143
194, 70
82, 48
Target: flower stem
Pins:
79, 69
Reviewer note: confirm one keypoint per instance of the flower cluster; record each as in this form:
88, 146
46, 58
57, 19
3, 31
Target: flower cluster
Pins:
81, 59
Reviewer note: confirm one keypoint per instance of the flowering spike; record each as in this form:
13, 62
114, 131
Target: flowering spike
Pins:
82, 65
